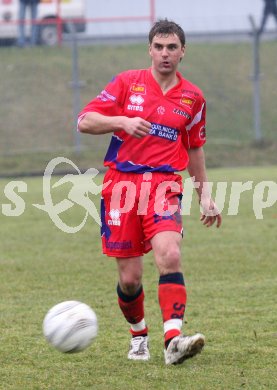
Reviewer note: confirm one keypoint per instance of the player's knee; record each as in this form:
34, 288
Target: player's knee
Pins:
173, 256
170, 260
130, 284
172, 252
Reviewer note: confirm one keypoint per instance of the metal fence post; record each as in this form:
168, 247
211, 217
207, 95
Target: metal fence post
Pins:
76, 85
256, 81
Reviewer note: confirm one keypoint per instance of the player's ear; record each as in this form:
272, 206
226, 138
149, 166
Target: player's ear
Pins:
182, 53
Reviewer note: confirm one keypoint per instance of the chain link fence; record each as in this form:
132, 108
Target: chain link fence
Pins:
43, 88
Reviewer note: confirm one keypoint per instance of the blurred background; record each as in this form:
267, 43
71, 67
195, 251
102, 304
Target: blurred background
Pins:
81, 45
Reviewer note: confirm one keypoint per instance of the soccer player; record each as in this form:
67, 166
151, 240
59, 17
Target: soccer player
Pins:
158, 123
23, 5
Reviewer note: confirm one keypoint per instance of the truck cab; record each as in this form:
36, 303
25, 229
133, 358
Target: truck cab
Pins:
54, 17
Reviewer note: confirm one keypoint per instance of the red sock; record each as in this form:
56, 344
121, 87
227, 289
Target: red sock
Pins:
172, 299
132, 308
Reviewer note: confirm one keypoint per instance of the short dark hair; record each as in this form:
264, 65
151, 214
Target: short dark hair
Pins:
167, 27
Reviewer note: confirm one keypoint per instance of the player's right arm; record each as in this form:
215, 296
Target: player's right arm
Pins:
96, 123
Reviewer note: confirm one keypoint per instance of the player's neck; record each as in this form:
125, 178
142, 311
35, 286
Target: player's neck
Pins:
165, 81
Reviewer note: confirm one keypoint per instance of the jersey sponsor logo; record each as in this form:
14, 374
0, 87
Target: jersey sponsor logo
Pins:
138, 88
187, 101
134, 108
188, 91
162, 131
202, 133
182, 113
104, 96
136, 99
115, 217
118, 244
161, 110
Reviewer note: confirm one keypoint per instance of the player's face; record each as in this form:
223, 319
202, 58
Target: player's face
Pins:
166, 52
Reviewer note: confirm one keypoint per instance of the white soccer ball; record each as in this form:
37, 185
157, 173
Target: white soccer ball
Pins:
70, 326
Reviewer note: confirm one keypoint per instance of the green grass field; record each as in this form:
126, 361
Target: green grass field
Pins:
232, 288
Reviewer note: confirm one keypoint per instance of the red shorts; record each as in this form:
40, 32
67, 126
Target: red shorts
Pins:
135, 207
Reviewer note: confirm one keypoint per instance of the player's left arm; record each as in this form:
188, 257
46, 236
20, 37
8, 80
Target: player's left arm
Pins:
197, 170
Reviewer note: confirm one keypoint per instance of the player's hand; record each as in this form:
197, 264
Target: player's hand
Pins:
137, 127
210, 213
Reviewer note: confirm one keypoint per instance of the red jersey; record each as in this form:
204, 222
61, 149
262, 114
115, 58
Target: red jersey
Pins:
177, 122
